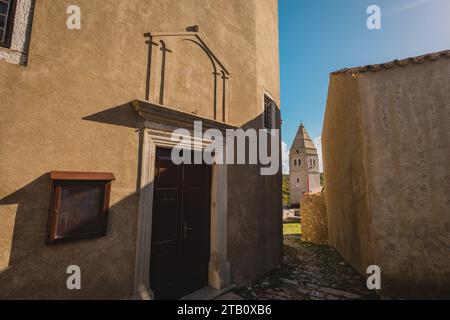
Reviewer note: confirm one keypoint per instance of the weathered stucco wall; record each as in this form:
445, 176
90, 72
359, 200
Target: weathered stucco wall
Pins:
397, 141
314, 218
67, 110
349, 220
407, 116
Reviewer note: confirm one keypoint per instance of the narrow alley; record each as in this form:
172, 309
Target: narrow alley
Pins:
309, 272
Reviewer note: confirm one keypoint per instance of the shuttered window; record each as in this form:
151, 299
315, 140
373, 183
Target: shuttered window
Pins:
269, 109
6, 21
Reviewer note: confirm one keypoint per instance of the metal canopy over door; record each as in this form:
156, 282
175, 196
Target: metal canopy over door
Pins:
180, 227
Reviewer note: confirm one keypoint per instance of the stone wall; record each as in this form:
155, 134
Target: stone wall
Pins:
314, 218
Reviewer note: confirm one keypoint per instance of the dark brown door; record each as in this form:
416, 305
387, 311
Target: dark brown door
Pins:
181, 227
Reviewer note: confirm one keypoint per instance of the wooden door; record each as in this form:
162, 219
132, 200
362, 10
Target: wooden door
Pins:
180, 227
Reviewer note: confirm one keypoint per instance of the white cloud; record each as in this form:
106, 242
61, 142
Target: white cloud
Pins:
318, 144
285, 157
408, 7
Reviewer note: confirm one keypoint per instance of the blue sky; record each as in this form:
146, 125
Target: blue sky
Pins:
321, 36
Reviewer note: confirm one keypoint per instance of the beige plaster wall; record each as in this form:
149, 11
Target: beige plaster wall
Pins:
400, 128
67, 111
407, 120
343, 143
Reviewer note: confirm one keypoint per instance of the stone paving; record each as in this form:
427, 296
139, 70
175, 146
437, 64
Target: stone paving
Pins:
309, 272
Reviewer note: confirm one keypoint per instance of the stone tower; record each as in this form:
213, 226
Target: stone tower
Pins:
304, 167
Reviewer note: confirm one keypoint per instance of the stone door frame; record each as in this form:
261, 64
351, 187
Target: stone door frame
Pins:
153, 136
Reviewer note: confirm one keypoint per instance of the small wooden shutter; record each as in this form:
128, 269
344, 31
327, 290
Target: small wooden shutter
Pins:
268, 112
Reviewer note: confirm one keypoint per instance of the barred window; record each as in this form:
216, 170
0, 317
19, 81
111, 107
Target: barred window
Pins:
269, 109
6, 21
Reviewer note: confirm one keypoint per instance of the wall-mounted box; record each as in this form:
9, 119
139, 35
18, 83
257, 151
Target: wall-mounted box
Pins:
79, 206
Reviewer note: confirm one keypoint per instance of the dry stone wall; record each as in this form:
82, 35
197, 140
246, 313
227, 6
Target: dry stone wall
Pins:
314, 218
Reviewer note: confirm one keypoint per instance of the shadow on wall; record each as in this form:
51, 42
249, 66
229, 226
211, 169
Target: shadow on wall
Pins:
203, 84
251, 198
122, 115
35, 270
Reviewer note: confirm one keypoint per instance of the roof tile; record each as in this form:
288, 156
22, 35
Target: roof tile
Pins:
399, 63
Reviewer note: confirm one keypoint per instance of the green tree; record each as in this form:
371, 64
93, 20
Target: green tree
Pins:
285, 190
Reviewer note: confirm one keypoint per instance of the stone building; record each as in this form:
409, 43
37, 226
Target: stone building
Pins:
304, 174
386, 153
87, 116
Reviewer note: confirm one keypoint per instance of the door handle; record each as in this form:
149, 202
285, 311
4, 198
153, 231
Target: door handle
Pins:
186, 229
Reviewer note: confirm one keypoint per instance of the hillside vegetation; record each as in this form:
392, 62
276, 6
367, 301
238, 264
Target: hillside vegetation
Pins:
285, 190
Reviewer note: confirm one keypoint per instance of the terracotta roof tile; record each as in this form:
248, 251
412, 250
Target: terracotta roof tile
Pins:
396, 63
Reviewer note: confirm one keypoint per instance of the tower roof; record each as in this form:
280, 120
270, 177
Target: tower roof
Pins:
303, 140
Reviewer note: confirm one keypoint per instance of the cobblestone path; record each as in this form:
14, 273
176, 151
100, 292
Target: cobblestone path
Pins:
309, 272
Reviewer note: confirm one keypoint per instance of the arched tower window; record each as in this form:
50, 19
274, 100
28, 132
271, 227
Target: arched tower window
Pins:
299, 162
295, 162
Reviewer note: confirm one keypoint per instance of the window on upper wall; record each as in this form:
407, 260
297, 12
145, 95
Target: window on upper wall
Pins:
295, 162
299, 162
16, 18
269, 113
7, 11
